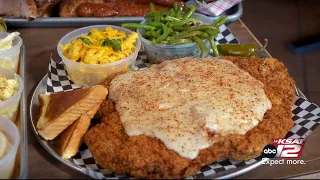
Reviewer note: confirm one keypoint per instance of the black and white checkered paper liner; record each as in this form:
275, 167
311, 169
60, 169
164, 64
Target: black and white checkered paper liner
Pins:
306, 117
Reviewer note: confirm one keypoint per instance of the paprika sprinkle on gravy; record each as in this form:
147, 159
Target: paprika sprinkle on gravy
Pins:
188, 104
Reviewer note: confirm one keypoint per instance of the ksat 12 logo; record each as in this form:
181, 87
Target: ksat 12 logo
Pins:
284, 148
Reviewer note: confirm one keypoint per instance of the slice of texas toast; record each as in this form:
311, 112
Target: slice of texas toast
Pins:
59, 110
72, 137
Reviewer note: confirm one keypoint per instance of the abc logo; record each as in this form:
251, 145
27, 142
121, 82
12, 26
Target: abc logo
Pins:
269, 151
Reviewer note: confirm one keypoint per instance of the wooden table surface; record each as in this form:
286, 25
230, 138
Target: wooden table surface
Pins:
41, 43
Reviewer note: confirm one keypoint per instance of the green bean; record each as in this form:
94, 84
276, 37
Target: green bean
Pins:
172, 13
140, 26
170, 30
155, 24
212, 32
146, 35
164, 35
180, 41
185, 8
221, 20
178, 28
162, 17
160, 31
152, 34
151, 14
165, 10
162, 11
181, 22
152, 40
190, 12
203, 27
171, 18
157, 16
203, 35
186, 34
178, 13
202, 47
151, 7
175, 6
173, 34
213, 46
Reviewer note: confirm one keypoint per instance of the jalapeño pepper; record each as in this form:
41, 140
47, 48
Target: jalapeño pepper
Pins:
237, 49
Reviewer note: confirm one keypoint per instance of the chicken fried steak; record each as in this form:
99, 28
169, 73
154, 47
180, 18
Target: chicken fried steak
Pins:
148, 157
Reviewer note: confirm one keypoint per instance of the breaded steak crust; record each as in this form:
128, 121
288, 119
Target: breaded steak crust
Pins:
147, 157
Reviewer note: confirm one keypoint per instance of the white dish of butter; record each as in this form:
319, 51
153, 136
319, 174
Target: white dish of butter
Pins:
188, 104
11, 87
9, 143
10, 44
7, 42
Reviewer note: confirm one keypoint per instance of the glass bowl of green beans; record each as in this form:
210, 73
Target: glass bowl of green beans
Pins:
177, 48
176, 33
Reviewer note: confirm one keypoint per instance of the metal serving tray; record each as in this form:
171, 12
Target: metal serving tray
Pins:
22, 158
233, 14
34, 113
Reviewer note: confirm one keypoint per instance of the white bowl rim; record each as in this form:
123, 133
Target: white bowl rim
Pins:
18, 44
15, 143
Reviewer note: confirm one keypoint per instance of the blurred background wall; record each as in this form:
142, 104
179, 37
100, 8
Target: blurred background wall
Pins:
283, 22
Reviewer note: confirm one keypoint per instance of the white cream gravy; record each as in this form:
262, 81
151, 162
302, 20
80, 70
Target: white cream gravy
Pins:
188, 103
